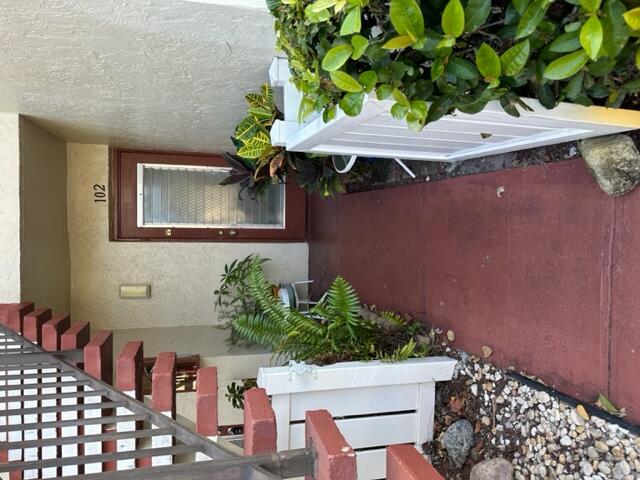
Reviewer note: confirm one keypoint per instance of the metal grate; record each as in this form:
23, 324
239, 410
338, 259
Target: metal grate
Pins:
192, 197
48, 405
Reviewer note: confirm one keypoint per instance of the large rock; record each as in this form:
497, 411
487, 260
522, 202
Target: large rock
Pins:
494, 469
458, 440
614, 161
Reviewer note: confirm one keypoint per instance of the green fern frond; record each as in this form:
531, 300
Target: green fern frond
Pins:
258, 329
343, 298
394, 318
333, 330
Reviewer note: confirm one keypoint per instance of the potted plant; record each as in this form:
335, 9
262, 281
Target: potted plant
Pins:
371, 369
258, 164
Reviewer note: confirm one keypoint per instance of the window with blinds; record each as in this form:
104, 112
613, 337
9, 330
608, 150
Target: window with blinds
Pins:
192, 197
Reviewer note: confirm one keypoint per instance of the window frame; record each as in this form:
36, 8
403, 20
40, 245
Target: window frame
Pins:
123, 201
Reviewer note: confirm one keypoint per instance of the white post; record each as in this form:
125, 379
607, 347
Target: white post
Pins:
126, 444
162, 441
92, 448
49, 452
425, 412
31, 454
281, 405
71, 431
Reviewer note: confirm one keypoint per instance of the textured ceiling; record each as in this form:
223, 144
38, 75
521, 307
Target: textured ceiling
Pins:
142, 73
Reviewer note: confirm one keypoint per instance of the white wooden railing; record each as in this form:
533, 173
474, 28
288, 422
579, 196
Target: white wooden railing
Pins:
460, 136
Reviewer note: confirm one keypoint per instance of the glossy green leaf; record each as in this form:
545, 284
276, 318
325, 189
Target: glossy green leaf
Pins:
514, 59
419, 108
414, 123
352, 23
384, 91
565, 42
590, 6
368, 80
398, 43
316, 17
351, 103
638, 58
439, 108
545, 96
615, 30
520, 6
306, 108
399, 111
437, 69
247, 128
336, 57
632, 86
573, 26
329, 114
632, 17
359, 44
475, 14
345, 82
446, 42
572, 89
532, 17
320, 5
566, 66
462, 68
400, 97
591, 37
488, 62
453, 18
406, 18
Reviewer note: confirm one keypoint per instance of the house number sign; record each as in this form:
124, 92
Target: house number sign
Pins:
99, 193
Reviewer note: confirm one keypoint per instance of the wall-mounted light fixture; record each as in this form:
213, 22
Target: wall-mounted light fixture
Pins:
132, 291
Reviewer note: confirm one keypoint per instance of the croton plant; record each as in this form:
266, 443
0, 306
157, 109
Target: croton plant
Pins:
258, 164
434, 56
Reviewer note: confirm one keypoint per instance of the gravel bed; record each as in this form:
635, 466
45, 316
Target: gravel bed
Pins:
542, 436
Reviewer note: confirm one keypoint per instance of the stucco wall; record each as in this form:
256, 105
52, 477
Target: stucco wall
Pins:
9, 209
161, 74
183, 275
45, 244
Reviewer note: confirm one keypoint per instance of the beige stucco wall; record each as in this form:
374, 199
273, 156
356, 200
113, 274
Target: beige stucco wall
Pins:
44, 252
9, 209
183, 275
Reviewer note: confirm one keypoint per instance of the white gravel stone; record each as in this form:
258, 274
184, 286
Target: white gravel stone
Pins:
551, 439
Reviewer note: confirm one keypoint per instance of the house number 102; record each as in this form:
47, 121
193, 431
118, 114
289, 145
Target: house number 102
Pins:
99, 193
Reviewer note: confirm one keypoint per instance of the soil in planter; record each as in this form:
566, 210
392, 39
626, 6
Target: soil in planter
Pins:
543, 434
455, 401
374, 174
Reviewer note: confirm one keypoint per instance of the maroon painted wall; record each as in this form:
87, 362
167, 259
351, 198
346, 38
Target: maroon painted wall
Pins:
547, 274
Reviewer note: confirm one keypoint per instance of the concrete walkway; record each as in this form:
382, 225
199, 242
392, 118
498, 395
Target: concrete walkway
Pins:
547, 274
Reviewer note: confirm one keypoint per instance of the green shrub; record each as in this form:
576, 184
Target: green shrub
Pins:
434, 56
336, 329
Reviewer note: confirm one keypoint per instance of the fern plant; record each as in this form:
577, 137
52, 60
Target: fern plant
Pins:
333, 330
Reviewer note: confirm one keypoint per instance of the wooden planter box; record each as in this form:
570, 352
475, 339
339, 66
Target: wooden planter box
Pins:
455, 137
375, 404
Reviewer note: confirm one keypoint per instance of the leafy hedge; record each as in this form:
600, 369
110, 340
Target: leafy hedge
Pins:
433, 56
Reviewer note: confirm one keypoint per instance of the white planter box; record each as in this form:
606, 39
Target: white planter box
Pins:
375, 404
460, 136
